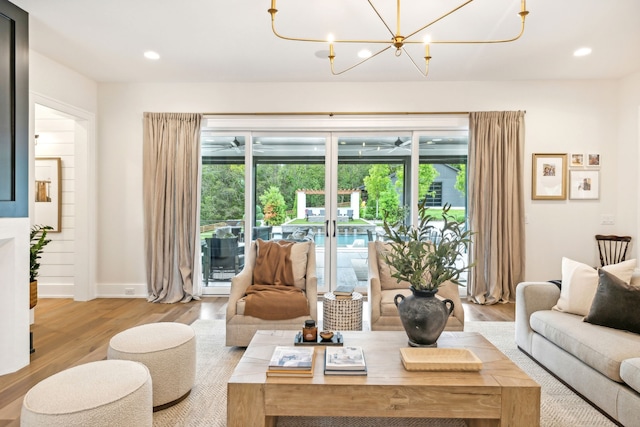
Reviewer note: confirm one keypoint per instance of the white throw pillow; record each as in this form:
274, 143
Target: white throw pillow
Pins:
299, 255
580, 281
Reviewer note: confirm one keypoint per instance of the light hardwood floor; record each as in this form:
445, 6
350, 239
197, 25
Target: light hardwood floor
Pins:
69, 333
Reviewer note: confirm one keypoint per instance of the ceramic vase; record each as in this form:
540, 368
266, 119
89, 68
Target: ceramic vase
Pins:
423, 316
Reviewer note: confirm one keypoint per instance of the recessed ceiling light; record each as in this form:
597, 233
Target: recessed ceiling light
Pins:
583, 51
364, 53
151, 55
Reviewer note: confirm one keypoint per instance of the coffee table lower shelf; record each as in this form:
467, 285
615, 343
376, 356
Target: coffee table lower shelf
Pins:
498, 395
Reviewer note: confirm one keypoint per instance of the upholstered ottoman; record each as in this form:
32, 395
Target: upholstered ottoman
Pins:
104, 393
169, 351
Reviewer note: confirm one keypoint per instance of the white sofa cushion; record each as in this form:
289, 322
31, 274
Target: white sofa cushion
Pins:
630, 373
580, 281
604, 349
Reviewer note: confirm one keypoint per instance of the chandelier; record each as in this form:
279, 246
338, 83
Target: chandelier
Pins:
396, 40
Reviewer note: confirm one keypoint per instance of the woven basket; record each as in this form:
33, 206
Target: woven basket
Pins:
33, 294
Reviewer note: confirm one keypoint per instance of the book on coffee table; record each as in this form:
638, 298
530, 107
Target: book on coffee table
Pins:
344, 361
288, 361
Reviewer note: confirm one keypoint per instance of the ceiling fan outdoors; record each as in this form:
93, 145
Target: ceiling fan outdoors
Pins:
388, 146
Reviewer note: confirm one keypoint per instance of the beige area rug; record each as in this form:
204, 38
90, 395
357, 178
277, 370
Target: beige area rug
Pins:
207, 405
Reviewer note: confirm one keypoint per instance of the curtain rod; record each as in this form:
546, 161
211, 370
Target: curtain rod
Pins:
345, 113
340, 113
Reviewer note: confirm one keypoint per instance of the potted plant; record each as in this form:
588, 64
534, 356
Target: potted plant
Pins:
426, 256
38, 242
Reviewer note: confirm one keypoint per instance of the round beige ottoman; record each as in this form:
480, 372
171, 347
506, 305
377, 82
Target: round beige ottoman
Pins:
104, 393
169, 351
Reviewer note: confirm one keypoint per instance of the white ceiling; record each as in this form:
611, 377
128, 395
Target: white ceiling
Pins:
231, 41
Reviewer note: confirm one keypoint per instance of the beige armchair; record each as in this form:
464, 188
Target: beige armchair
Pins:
240, 328
383, 288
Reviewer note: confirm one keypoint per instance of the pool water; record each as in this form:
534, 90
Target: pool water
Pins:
344, 240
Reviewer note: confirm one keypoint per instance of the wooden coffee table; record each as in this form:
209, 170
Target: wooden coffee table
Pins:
500, 394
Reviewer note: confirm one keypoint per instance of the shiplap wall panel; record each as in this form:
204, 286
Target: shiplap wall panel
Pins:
56, 138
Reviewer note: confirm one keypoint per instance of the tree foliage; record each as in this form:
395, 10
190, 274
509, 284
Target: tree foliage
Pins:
461, 179
427, 173
275, 208
389, 204
377, 182
223, 188
222, 195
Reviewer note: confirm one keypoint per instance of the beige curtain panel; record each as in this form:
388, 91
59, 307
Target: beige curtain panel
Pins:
171, 162
496, 205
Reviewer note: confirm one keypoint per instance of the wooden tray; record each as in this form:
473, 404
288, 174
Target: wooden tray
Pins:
439, 359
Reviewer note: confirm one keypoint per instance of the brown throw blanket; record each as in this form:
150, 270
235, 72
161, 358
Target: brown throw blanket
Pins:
273, 263
273, 295
271, 302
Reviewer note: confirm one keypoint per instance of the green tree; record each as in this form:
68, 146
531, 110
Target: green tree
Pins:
390, 204
461, 179
222, 195
376, 183
274, 206
427, 173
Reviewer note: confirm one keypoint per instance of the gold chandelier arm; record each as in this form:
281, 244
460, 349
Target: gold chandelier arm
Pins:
479, 41
298, 39
415, 64
438, 19
523, 13
331, 57
273, 12
382, 19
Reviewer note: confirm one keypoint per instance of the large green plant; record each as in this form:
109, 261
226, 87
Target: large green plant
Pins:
38, 242
425, 255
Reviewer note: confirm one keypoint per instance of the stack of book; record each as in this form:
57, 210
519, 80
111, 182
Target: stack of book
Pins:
291, 361
344, 361
344, 291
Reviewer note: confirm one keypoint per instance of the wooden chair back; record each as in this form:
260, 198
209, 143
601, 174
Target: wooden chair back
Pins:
612, 249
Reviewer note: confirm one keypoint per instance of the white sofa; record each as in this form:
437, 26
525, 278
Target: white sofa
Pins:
600, 363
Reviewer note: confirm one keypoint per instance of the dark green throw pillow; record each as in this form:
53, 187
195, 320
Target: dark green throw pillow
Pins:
616, 304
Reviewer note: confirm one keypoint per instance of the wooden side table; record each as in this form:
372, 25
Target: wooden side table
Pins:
342, 314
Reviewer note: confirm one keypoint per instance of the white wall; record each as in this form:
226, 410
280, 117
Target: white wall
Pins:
562, 117
14, 294
53, 80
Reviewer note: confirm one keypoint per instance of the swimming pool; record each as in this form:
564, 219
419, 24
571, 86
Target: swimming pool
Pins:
344, 240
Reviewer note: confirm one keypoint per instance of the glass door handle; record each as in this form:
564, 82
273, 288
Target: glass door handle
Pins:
326, 228
334, 228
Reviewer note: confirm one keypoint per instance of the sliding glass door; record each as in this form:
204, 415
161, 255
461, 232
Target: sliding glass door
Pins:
222, 209
289, 191
334, 188
371, 184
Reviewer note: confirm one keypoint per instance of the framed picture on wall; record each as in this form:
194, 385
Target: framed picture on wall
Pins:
48, 192
549, 177
593, 159
577, 160
584, 184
